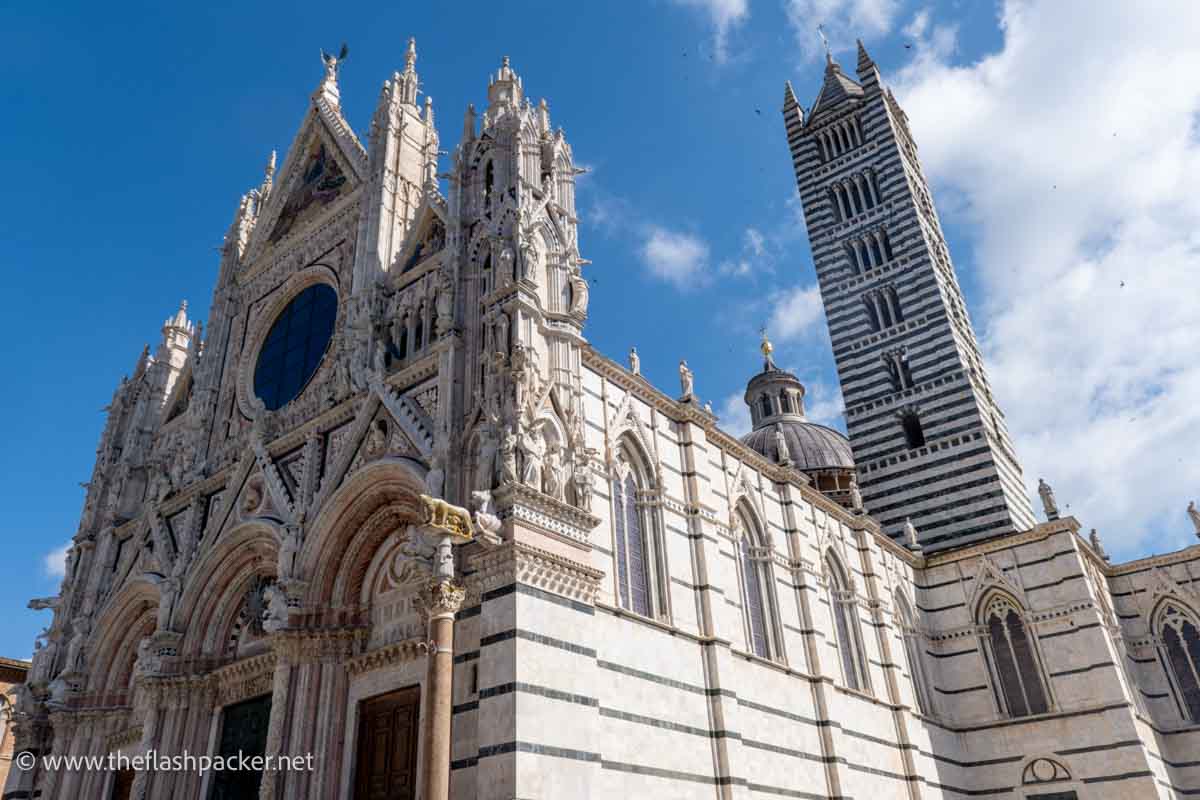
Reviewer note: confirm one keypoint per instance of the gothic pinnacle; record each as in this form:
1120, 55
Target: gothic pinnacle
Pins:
410, 55
789, 96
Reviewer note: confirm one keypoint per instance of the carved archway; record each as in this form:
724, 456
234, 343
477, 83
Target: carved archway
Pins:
375, 502
217, 586
119, 630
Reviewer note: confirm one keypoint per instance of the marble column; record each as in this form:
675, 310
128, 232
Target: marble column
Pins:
442, 599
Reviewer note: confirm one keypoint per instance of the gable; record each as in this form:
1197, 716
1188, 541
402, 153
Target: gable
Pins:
324, 165
320, 179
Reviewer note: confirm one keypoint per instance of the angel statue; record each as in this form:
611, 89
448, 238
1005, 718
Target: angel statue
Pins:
332, 62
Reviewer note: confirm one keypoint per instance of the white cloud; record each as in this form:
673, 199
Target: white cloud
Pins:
1075, 179
842, 20
674, 256
823, 403
796, 312
756, 243
724, 16
735, 415
54, 563
757, 257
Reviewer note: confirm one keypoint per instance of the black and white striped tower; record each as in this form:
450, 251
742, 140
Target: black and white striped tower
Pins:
929, 441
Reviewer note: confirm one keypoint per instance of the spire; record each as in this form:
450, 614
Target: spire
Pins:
864, 60
793, 112
836, 87
868, 73
142, 362
504, 89
469, 123
789, 96
179, 321
408, 80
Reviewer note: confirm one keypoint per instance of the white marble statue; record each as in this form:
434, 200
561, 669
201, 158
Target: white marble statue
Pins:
635, 361
1048, 503
686, 380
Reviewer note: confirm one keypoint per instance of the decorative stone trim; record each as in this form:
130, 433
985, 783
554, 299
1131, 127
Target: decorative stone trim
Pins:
244, 679
387, 656
522, 563
524, 504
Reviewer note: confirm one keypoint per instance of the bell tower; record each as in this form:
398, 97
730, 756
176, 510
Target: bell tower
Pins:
929, 440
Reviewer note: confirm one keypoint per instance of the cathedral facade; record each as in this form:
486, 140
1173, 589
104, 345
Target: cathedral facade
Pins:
392, 511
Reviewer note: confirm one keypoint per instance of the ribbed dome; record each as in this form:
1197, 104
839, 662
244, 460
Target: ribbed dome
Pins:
810, 446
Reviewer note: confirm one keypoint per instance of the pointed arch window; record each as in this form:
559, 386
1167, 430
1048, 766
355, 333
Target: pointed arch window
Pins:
640, 572
418, 329
1018, 684
912, 649
402, 345
757, 594
844, 605
1180, 648
489, 181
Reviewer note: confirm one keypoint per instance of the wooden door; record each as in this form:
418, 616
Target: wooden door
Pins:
243, 730
386, 766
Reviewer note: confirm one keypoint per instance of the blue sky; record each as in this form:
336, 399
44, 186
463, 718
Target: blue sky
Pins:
131, 133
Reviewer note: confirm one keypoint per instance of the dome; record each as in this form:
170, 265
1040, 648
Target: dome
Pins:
810, 446
776, 401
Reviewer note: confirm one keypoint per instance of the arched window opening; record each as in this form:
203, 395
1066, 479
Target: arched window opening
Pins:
912, 649
785, 402
887, 245
893, 301
914, 435
876, 253
433, 322
844, 606
1180, 638
486, 273
1018, 683
861, 197
489, 181
765, 405
873, 320
639, 570
755, 606
418, 329
757, 597
885, 310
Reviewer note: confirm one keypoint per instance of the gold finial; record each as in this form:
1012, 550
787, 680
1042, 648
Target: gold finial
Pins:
767, 349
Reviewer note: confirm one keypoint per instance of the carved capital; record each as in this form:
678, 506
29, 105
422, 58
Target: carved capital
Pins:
441, 598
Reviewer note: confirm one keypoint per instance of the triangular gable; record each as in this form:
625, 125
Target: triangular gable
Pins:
426, 236
324, 164
989, 576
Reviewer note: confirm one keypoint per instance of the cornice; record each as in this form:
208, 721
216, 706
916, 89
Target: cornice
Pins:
523, 504
524, 563
1035, 534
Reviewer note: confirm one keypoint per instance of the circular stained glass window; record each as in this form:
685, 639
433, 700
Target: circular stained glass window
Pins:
294, 346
